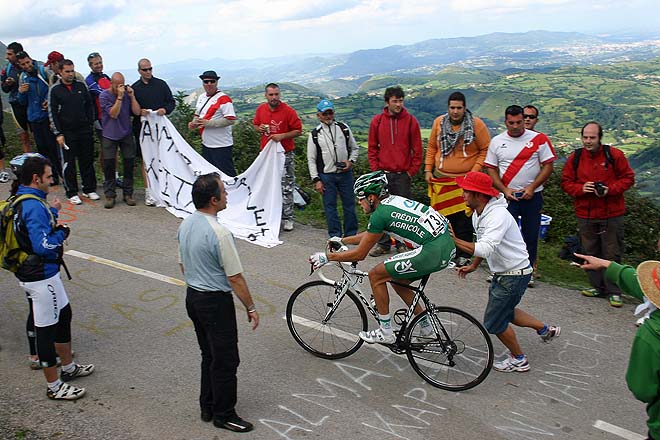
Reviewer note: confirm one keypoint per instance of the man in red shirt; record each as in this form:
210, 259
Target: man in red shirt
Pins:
596, 176
277, 121
395, 147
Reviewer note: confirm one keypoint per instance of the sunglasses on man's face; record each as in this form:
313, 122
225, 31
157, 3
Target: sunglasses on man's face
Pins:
529, 116
148, 69
210, 81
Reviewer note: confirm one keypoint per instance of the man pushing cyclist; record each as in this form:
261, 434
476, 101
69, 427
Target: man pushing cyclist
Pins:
420, 227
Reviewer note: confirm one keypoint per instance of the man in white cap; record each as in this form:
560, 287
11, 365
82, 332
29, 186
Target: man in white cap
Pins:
500, 242
643, 375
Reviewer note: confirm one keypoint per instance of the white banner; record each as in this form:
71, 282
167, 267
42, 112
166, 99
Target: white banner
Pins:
254, 198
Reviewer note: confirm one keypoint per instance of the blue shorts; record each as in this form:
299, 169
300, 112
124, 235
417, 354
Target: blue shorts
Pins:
504, 295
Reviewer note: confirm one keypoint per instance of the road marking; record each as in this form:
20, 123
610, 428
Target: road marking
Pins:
126, 267
621, 432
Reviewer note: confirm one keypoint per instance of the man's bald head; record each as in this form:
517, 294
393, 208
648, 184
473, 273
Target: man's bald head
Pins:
116, 80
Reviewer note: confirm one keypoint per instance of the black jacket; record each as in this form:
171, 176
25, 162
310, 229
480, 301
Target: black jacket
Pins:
70, 110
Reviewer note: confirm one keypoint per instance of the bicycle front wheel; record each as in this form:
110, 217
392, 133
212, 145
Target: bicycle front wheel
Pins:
457, 357
333, 338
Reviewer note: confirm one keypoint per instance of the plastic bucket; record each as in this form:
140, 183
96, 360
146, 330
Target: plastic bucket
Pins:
545, 226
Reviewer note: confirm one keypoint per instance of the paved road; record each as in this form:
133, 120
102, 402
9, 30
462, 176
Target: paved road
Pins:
135, 329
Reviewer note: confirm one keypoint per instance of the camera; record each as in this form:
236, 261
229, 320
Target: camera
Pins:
341, 165
599, 187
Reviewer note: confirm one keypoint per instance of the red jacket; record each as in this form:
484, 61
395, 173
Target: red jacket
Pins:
395, 143
594, 167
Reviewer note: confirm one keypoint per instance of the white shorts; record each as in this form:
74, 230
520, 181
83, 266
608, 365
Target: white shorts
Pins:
48, 299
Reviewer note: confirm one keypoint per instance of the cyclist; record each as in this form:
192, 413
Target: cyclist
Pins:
419, 227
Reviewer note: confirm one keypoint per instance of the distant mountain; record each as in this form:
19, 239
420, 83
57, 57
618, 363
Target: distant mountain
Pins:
340, 75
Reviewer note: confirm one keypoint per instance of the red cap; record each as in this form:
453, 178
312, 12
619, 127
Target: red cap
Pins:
53, 57
477, 182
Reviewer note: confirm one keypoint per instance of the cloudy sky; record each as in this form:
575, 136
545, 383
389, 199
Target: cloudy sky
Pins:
167, 30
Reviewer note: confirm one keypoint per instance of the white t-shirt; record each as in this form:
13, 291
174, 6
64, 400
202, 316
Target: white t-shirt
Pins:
519, 159
212, 108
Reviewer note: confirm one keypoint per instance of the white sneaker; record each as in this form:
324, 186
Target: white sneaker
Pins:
66, 392
377, 335
92, 196
75, 200
288, 225
148, 200
512, 364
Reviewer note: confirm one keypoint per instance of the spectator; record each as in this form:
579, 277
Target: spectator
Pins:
39, 236
4, 175
54, 64
395, 147
331, 154
457, 144
530, 116
596, 176
71, 111
97, 81
214, 116
10, 79
153, 94
117, 134
520, 161
212, 269
643, 375
500, 242
277, 121
33, 92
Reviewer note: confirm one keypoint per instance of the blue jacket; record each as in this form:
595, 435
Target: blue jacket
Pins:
35, 231
36, 94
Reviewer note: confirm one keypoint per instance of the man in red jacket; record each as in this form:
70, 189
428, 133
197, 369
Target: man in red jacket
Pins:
395, 146
596, 176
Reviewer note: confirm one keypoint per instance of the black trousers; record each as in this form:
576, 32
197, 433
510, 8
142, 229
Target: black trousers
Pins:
462, 226
81, 147
47, 146
214, 318
398, 185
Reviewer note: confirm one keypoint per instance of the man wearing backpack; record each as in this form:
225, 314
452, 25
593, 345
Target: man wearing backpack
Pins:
596, 176
40, 237
331, 153
33, 92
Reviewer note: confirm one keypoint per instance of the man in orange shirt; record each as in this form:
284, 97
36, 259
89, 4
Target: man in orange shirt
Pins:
457, 145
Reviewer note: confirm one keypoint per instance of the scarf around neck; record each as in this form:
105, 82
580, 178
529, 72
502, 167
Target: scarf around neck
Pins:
448, 138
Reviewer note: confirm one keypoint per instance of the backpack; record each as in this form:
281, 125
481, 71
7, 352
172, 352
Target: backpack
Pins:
12, 255
344, 129
606, 152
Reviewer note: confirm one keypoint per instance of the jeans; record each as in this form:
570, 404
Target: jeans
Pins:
221, 158
530, 221
214, 319
504, 294
602, 238
399, 185
339, 184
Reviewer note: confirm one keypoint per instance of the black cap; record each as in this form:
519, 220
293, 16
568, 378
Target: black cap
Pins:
209, 74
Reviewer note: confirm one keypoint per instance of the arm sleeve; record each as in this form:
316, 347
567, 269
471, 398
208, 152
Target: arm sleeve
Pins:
493, 235
416, 146
94, 88
227, 249
170, 102
373, 148
53, 114
45, 241
311, 158
643, 375
569, 181
355, 148
432, 149
294, 121
482, 141
491, 157
105, 104
625, 176
546, 151
626, 278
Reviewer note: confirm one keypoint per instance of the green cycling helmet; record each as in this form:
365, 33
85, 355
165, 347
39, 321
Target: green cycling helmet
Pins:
371, 183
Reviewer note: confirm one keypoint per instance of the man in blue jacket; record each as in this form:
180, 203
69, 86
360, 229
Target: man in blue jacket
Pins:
42, 239
33, 92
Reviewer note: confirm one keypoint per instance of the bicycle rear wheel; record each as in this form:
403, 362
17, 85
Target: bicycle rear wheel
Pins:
456, 359
335, 338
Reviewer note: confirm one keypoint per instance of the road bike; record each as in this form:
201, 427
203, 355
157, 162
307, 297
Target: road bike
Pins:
446, 346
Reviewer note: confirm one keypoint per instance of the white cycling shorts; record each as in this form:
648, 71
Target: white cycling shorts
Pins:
48, 299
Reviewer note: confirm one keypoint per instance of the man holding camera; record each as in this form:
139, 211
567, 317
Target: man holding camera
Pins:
117, 104
596, 176
331, 153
